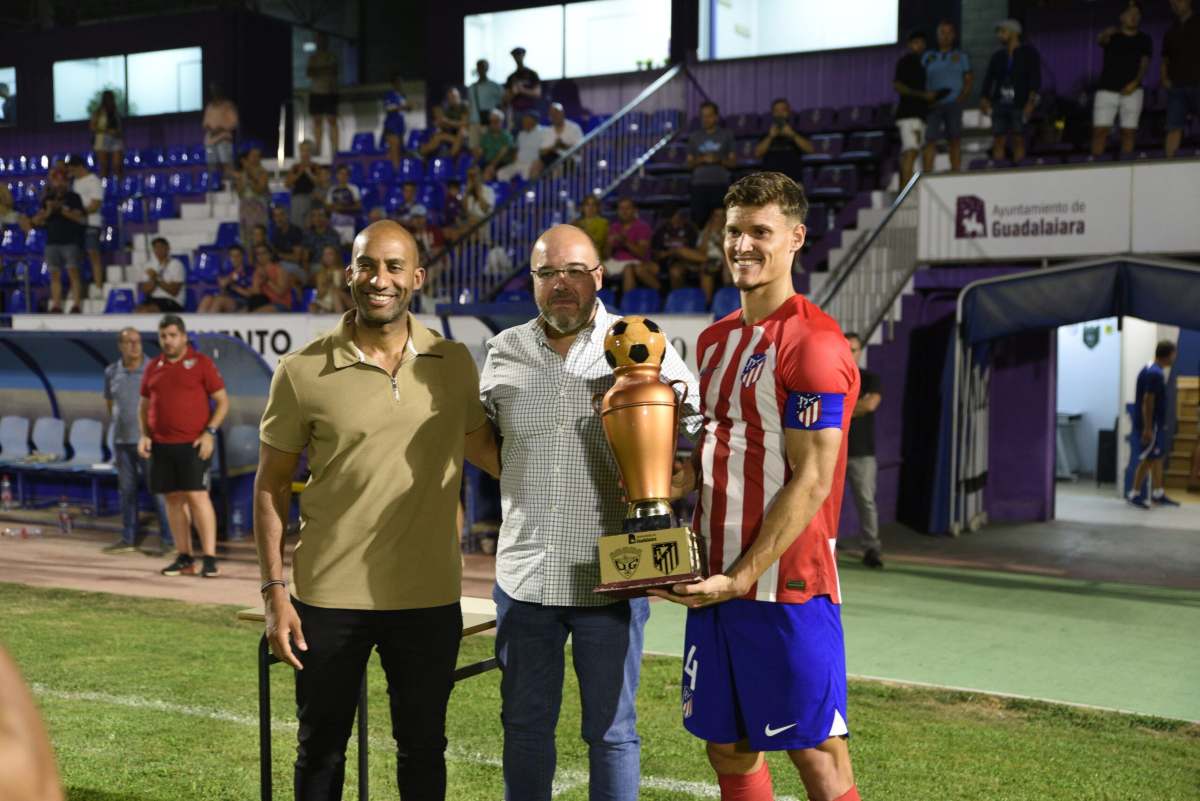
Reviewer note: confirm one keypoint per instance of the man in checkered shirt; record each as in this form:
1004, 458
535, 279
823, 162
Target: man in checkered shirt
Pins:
559, 492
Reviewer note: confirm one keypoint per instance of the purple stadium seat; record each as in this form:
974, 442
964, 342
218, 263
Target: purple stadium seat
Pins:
411, 169
197, 154
440, 168
864, 146
642, 300
109, 238
154, 183
827, 148
163, 207
813, 120
416, 138
856, 118
12, 241
725, 300
746, 124
817, 221
381, 172
35, 241
227, 235
745, 153
363, 144
119, 301
835, 182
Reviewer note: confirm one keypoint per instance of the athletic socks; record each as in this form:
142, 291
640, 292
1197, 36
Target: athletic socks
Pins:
754, 786
849, 795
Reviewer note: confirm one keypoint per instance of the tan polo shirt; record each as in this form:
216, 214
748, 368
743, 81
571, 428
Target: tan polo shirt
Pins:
378, 523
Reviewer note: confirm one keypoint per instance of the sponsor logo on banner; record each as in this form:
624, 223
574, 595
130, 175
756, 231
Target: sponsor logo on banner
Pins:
970, 217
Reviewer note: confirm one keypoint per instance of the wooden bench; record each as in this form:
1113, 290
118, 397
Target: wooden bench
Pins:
479, 615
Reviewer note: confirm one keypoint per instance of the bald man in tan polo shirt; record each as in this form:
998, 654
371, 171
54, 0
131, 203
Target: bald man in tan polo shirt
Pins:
387, 410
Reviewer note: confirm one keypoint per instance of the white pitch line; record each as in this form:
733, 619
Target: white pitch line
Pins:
565, 781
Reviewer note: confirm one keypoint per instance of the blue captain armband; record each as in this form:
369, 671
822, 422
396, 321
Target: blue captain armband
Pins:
810, 411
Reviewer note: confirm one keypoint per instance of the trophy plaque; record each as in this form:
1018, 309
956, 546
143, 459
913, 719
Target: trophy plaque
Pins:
640, 415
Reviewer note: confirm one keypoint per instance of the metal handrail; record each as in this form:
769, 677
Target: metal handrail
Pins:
831, 287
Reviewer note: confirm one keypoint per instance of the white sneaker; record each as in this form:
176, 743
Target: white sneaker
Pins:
95, 292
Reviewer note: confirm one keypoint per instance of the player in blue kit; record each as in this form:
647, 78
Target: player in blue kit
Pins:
1149, 428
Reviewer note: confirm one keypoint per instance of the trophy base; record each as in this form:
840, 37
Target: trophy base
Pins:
633, 562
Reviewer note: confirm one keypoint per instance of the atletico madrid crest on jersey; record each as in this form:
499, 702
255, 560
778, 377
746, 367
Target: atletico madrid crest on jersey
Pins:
753, 369
808, 409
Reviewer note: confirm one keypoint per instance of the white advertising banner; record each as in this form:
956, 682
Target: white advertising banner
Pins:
1166, 208
1023, 214
274, 335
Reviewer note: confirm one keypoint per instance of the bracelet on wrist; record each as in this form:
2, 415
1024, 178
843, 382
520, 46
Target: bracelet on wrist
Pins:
268, 584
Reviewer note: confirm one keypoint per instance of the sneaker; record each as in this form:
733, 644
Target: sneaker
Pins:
1163, 500
183, 565
210, 567
872, 559
1137, 500
95, 292
120, 546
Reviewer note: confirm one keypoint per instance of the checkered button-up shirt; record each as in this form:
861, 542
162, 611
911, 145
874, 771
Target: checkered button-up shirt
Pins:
559, 483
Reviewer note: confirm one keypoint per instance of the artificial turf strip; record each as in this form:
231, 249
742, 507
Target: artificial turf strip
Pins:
151, 699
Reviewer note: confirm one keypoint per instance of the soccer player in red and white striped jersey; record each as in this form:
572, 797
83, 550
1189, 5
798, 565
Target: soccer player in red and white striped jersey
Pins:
764, 659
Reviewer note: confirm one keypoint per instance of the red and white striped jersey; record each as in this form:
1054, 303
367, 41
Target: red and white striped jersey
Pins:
791, 370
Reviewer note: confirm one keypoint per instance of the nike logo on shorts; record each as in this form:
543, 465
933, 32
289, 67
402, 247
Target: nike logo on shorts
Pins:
767, 730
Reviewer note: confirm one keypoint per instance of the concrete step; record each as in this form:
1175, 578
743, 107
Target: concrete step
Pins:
170, 228
221, 210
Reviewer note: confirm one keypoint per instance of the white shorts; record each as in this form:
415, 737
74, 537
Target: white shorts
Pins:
912, 133
614, 267
1108, 104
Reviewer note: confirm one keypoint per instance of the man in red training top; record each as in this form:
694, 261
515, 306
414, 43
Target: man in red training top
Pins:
764, 660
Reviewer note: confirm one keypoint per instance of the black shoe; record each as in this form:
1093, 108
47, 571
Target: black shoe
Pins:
871, 559
120, 546
210, 567
1163, 500
183, 565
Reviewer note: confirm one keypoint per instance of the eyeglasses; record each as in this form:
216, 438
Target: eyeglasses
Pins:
573, 273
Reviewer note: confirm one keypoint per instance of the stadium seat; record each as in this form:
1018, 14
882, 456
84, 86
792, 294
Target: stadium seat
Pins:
642, 300
441, 168
17, 303
163, 207
180, 183
817, 220
411, 170
686, 300
12, 241
306, 298
207, 268
131, 185
827, 147
835, 182
86, 438
14, 438
152, 158
109, 238
191, 300
608, 296
813, 120
227, 235
381, 171
431, 195
133, 210
209, 181
281, 199
416, 138
464, 162
132, 158
515, 296
726, 300
856, 118
177, 156
358, 176
120, 301
363, 144
197, 154
864, 146
35, 241
111, 187
49, 436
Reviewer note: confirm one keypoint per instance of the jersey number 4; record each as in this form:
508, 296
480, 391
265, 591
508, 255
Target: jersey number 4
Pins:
690, 666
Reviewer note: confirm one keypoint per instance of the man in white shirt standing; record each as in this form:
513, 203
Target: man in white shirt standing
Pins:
529, 149
164, 281
559, 491
557, 138
86, 184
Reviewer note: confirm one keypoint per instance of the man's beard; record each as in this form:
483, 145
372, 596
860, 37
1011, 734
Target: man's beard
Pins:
567, 324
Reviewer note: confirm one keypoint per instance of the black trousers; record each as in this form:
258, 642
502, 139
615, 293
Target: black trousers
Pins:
418, 649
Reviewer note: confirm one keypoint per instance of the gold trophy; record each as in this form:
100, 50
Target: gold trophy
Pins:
640, 415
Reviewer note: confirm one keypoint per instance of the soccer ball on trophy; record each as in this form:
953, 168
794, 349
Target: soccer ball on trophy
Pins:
634, 341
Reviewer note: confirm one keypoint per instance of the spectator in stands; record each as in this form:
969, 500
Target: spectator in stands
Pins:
711, 242
375, 214
782, 148
529, 149
236, 287
288, 243
320, 233
710, 158
301, 182
408, 199
178, 432
495, 148
629, 249
450, 125
1181, 71
483, 97
322, 71
63, 216
254, 194
8, 105
522, 89
861, 468
430, 238
271, 281
122, 393
1127, 54
163, 281
332, 295
324, 181
948, 75
673, 247
108, 142
344, 199
453, 210
557, 138
8, 211
909, 82
596, 226
86, 184
258, 236
220, 121
395, 103
1010, 89
479, 199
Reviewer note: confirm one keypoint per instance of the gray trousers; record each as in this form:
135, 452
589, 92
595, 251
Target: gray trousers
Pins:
860, 473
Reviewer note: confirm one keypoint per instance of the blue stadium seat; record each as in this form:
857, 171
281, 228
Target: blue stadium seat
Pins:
39, 164
363, 144
381, 172
725, 300
180, 183
281, 199
86, 438
502, 190
642, 300
464, 162
35, 241
608, 296
49, 436
208, 266
12, 241
358, 175
197, 155
109, 238
515, 296
17, 303
131, 185
411, 170
209, 181
431, 195
416, 138
191, 300
111, 187
227, 234
120, 301
152, 158
14, 438
132, 211
154, 183
90, 159
132, 158
177, 156
686, 300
